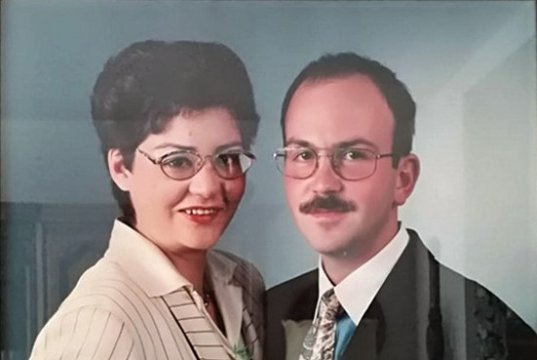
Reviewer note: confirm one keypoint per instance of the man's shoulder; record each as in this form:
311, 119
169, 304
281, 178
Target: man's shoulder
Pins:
295, 298
295, 285
486, 306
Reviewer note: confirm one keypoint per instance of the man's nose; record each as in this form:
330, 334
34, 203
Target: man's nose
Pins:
325, 179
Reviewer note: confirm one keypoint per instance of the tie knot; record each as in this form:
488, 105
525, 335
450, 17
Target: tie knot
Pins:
329, 305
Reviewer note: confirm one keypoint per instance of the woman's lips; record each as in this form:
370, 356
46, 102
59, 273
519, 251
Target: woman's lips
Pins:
201, 215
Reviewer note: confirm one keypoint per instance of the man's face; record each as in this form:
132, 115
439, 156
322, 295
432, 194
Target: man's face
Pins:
362, 217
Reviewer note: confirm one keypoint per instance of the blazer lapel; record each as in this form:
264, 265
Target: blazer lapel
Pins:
230, 304
250, 336
238, 305
201, 334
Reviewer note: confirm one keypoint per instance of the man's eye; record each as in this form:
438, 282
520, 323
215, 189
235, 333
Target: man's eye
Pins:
354, 154
302, 155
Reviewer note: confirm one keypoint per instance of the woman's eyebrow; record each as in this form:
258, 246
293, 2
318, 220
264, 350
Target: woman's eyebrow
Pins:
223, 147
180, 147
174, 146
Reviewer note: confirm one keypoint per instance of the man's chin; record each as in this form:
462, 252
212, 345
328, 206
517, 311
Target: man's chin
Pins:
327, 249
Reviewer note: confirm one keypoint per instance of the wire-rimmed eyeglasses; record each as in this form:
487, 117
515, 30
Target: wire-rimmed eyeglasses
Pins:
184, 164
350, 163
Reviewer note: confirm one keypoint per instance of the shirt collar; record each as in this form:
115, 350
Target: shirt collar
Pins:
143, 261
358, 289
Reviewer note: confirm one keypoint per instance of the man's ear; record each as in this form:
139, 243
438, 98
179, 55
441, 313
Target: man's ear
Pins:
408, 172
117, 169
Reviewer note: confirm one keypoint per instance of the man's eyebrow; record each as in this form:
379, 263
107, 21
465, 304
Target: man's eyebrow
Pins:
354, 142
302, 143
342, 144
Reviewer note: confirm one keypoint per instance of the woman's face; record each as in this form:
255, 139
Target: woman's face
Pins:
191, 214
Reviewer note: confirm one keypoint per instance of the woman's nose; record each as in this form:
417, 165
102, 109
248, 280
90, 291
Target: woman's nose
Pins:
206, 182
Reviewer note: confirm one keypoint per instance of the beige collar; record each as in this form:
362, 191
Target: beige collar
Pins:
150, 268
144, 262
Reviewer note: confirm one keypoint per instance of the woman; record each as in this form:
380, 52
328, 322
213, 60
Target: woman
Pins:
175, 122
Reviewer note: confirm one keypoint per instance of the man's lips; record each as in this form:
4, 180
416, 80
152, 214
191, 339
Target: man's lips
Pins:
327, 211
326, 204
327, 218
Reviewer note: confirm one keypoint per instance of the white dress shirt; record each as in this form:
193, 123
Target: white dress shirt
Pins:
356, 292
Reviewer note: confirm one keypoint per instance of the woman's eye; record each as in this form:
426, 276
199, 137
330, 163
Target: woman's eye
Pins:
178, 162
226, 160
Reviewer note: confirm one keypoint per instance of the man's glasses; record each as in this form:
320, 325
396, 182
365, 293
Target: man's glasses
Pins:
184, 164
350, 163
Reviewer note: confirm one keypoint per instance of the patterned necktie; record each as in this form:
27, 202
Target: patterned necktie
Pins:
321, 337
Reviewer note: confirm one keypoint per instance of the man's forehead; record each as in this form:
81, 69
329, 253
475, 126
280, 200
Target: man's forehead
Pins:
338, 109
355, 92
324, 83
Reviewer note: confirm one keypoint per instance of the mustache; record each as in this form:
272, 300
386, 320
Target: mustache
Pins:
329, 202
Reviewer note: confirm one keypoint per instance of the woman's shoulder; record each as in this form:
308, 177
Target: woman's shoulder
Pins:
222, 254
244, 272
105, 286
97, 313
86, 332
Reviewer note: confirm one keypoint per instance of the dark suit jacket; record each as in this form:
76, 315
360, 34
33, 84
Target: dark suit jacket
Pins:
405, 319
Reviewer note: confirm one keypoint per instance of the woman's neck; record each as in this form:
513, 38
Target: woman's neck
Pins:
191, 266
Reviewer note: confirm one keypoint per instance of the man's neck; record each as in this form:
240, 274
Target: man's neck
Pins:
338, 266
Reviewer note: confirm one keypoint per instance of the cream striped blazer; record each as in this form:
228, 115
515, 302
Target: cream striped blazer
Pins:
122, 307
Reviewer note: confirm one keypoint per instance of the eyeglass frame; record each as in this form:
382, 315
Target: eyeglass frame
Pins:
203, 159
329, 153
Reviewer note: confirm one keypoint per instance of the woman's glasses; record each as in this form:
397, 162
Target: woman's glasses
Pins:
184, 164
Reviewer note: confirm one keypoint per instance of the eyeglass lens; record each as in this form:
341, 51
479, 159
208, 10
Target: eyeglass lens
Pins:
349, 163
183, 165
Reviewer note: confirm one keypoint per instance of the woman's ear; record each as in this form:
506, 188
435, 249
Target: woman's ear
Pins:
408, 172
117, 169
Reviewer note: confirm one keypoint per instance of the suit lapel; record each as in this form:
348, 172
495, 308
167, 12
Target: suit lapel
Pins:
394, 319
362, 344
369, 338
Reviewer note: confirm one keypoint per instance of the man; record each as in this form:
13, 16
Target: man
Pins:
347, 125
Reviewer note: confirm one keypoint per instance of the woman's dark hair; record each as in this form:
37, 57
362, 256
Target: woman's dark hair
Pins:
148, 83
394, 91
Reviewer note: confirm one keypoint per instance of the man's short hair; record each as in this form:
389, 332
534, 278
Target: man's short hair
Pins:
148, 83
394, 91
